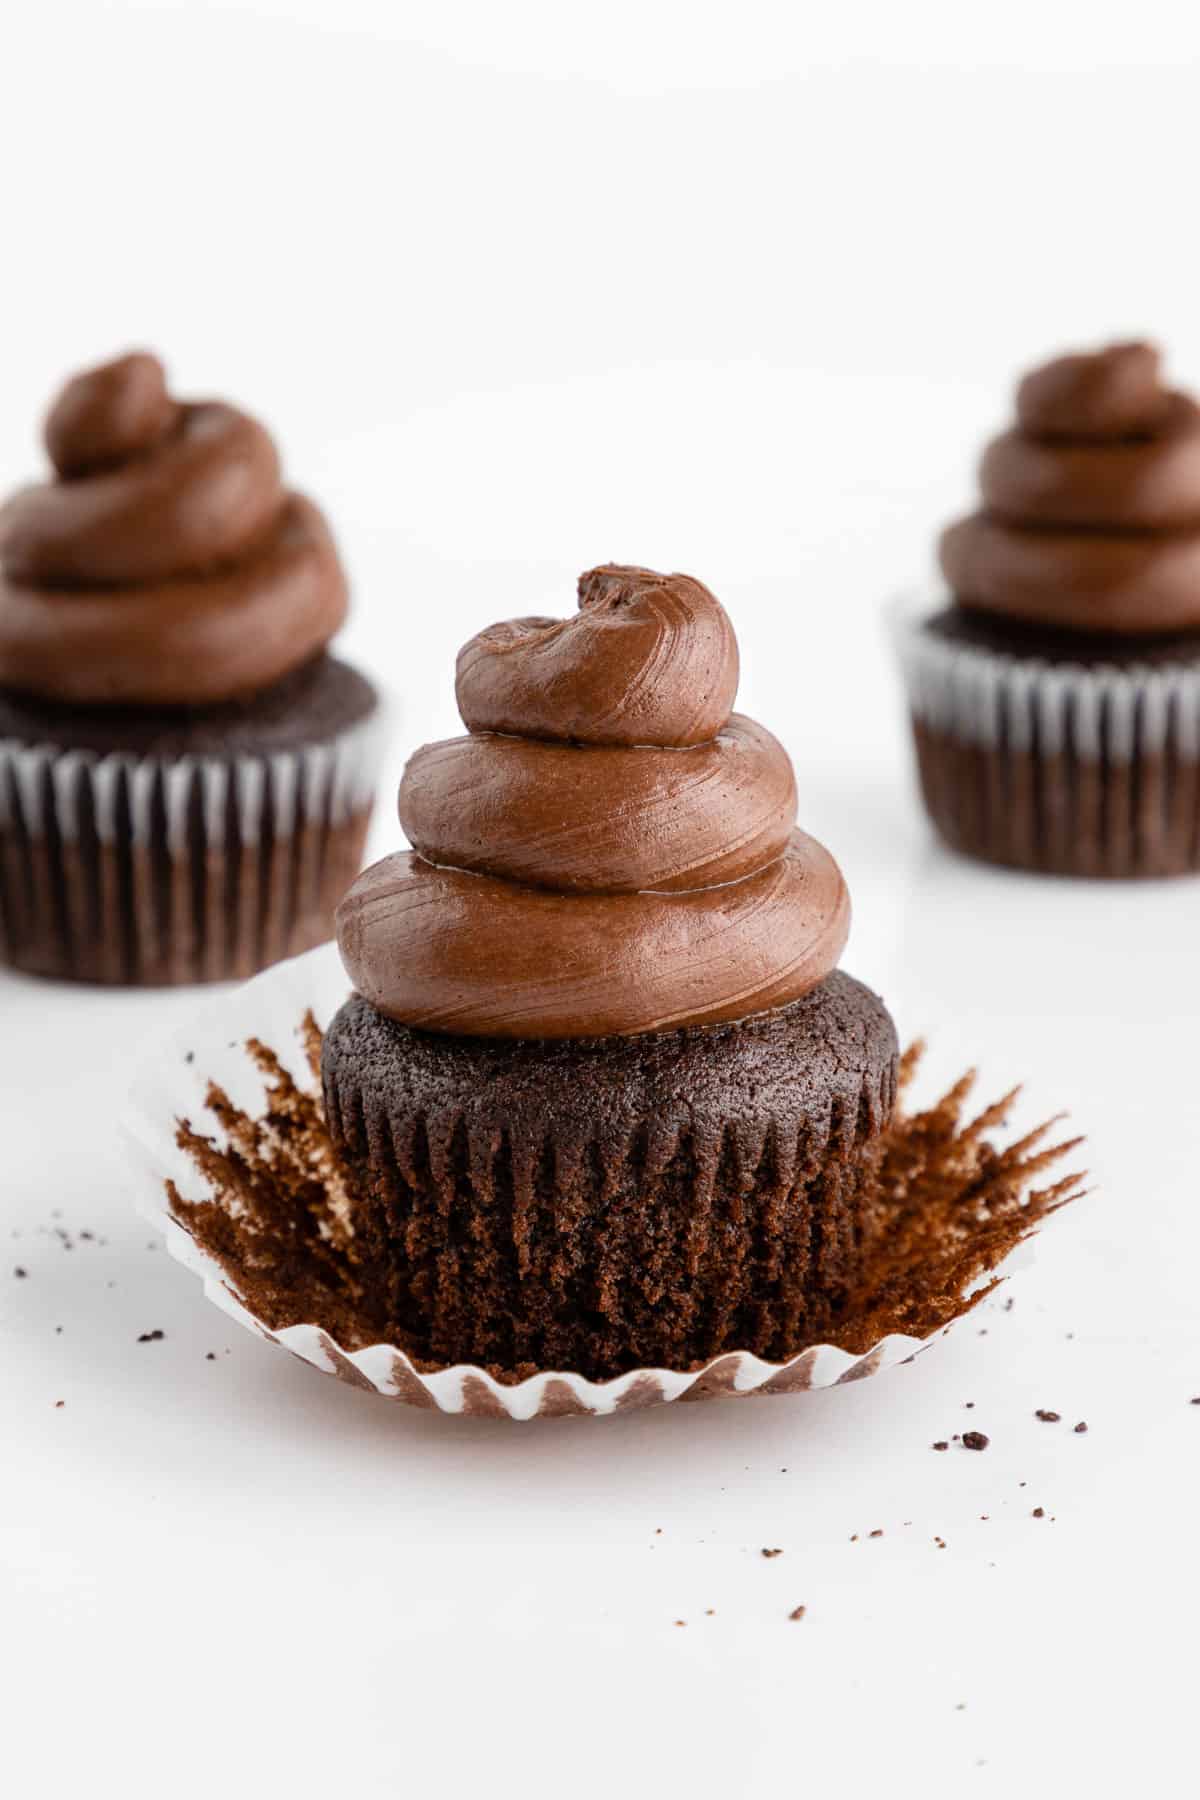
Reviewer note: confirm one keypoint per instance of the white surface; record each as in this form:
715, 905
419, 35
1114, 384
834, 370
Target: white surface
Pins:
735, 290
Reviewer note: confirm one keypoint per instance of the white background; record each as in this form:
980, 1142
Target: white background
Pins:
737, 290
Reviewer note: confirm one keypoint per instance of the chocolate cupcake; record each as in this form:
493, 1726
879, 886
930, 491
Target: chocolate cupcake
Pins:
185, 772
607, 1099
1055, 690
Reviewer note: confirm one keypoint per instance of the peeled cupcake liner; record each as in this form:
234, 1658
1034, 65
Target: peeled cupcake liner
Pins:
1090, 770
122, 868
172, 1087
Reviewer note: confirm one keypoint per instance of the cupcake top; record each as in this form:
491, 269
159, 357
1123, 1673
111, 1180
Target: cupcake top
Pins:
165, 564
1091, 503
611, 850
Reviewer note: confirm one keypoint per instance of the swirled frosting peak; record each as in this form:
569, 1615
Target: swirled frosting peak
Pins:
610, 850
1091, 504
166, 564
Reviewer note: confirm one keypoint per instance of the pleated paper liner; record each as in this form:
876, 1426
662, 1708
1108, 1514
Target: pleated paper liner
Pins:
146, 871
227, 1138
1061, 769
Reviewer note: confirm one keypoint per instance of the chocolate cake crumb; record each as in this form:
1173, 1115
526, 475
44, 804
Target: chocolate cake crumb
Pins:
210, 1356
59, 1403
21, 1274
797, 1612
1039, 1512
279, 1207
940, 1542
771, 1552
975, 1440
1047, 1417
876, 1533
941, 1444
151, 1337
1082, 1425
1195, 1400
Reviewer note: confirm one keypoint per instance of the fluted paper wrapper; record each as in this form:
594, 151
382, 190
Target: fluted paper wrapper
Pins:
270, 1008
1059, 768
140, 870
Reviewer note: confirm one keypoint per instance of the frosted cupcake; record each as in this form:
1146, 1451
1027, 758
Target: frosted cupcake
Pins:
1055, 687
185, 771
607, 1098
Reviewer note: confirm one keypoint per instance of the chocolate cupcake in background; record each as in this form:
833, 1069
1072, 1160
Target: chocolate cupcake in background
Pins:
185, 772
608, 1100
1055, 689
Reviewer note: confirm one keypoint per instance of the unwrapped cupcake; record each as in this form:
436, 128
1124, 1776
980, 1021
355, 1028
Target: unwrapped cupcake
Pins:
185, 771
1055, 687
605, 1095
602, 1123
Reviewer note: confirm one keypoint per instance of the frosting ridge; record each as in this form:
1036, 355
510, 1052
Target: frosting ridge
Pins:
1091, 505
571, 876
166, 564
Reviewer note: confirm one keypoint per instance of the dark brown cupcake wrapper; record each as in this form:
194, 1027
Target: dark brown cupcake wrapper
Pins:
140, 871
602, 1202
1064, 769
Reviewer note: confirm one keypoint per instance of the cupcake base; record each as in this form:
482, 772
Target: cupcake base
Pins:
1038, 752
1062, 814
165, 848
603, 1204
143, 916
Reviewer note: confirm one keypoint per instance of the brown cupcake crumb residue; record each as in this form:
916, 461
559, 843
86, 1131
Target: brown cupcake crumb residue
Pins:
975, 1440
772, 1552
1046, 1416
797, 1612
280, 1206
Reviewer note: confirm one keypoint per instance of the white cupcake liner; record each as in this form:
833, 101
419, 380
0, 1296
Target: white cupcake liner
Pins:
173, 1086
85, 839
37, 780
1115, 712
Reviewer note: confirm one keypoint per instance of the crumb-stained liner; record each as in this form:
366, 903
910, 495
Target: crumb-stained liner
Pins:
143, 871
1062, 769
268, 1009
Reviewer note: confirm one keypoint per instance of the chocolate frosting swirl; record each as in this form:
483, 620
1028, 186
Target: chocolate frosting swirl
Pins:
1091, 504
612, 852
166, 565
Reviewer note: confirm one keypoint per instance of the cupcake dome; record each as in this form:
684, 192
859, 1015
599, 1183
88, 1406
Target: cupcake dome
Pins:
609, 1097
184, 770
610, 851
1091, 504
167, 565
